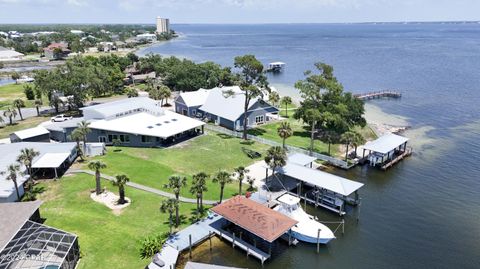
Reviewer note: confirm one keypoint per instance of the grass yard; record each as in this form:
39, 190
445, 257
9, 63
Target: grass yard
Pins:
106, 240
209, 153
5, 130
300, 137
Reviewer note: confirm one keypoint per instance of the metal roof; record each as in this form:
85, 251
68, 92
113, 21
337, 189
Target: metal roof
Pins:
143, 123
231, 107
32, 132
50, 160
11, 151
301, 159
195, 98
255, 218
321, 179
386, 143
123, 106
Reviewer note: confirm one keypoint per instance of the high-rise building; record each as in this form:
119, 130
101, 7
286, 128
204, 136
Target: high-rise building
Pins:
163, 25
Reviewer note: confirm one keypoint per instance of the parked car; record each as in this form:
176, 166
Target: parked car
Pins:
60, 118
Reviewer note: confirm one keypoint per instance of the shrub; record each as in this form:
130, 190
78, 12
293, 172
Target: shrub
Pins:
151, 245
29, 92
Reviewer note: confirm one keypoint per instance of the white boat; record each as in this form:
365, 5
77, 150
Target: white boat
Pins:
275, 67
307, 228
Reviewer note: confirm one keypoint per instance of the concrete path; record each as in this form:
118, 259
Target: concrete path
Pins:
142, 187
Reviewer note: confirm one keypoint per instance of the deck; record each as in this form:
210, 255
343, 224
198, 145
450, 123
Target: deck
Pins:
397, 159
248, 248
378, 94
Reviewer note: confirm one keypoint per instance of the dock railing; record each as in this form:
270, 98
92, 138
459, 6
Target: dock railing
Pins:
334, 161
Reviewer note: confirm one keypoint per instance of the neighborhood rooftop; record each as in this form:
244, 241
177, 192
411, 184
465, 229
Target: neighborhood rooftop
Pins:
195, 98
255, 218
122, 107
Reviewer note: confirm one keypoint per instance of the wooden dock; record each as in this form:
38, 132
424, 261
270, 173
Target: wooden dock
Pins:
248, 248
378, 94
400, 157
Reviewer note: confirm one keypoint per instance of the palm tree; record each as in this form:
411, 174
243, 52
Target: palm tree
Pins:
274, 98
84, 131
26, 158
276, 157
286, 100
241, 172
169, 206
97, 166
164, 93
284, 131
18, 103
347, 138
10, 113
330, 137
38, 103
121, 181
222, 178
199, 186
12, 173
77, 136
176, 183
357, 141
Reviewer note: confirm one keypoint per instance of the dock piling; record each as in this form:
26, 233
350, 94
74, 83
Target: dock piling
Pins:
233, 240
318, 240
343, 226
210, 239
190, 245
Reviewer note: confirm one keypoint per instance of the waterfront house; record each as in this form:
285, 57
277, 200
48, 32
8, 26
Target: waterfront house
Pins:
27, 243
135, 122
225, 107
56, 51
146, 38
54, 158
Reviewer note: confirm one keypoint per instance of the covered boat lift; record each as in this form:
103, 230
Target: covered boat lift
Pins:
318, 187
257, 222
386, 150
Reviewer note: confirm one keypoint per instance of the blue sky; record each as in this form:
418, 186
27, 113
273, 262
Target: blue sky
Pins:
235, 11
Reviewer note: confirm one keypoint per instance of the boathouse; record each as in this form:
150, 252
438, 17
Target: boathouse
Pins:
386, 150
317, 187
259, 225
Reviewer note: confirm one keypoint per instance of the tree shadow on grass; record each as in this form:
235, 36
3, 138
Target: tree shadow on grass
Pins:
256, 132
247, 142
224, 136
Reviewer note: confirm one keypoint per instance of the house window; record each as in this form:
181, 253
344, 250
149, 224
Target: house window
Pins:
194, 112
125, 138
259, 119
146, 139
102, 139
111, 138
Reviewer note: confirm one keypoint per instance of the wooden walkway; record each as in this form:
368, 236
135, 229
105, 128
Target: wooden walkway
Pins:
400, 157
379, 94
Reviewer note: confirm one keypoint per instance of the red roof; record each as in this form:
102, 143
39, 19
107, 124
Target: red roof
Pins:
62, 46
255, 218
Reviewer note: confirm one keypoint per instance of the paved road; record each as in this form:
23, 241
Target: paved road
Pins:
142, 187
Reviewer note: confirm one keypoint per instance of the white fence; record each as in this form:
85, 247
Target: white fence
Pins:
323, 157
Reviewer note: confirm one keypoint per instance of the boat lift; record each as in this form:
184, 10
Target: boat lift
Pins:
275, 67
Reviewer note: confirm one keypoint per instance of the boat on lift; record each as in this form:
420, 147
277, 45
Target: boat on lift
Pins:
275, 67
307, 229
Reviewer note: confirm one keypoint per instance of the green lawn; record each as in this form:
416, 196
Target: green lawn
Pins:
300, 137
5, 130
209, 153
10, 92
106, 240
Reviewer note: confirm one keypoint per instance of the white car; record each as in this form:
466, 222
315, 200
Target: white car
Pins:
60, 118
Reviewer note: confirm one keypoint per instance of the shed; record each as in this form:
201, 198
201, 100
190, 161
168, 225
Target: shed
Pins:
36, 134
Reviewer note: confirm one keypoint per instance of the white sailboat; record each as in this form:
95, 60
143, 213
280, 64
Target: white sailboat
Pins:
307, 228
